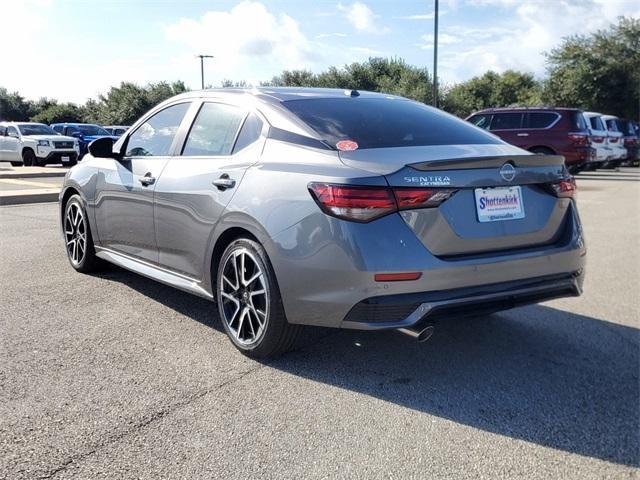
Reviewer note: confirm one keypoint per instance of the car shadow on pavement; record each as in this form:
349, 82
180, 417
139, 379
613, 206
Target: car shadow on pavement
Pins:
539, 374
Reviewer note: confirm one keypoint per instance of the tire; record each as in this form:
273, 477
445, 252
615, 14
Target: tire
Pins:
254, 322
72, 163
28, 158
17, 164
542, 151
77, 237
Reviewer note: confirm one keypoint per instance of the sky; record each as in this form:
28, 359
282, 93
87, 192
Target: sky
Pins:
72, 50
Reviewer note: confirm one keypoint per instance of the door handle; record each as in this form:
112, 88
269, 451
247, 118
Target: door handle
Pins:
147, 180
224, 182
523, 134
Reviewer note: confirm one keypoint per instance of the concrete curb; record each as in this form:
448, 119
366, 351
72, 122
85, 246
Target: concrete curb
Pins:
19, 197
27, 174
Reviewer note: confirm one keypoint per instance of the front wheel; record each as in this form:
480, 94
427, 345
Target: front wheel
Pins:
249, 302
29, 158
17, 164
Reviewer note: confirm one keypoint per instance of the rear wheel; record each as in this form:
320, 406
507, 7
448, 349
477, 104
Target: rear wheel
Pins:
249, 302
77, 237
542, 151
28, 158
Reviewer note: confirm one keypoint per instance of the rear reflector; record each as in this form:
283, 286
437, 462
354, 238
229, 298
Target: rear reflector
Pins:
396, 277
363, 203
564, 188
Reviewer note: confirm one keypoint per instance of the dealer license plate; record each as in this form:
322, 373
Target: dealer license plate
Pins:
498, 204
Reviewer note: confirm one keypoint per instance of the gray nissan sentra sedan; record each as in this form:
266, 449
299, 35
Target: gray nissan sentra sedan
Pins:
290, 207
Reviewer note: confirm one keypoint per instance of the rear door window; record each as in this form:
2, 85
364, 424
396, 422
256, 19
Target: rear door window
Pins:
214, 130
383, 122
506, 121
250, 132
540, 119
155, 136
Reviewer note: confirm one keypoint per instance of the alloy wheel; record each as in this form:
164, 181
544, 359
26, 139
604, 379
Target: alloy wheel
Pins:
75, 232
245, 297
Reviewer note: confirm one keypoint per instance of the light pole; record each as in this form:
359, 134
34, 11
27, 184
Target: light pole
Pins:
435, 57
202, 57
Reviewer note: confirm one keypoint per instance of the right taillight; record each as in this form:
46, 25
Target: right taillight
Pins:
597, 139
565, 188
363, 204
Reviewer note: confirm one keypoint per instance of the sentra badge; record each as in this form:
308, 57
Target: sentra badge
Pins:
429, 180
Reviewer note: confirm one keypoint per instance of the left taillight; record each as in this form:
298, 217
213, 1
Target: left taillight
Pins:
360, 204
565, 188
363, 204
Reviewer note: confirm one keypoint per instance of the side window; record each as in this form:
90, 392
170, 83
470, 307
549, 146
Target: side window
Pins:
57, 128
70, 130
506, 121
118, 131
3, 131
249, 133
12, 132
481, 121
541, 119
214, 130
155, 136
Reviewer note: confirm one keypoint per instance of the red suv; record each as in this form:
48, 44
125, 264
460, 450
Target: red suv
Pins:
561, 131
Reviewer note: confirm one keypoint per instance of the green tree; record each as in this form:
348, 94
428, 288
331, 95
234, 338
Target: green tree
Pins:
388, 75
492, 90
59, 112
124, 104
598, 72
13, 106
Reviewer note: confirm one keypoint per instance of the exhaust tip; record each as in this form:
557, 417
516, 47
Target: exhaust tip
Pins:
425, 334
420, 335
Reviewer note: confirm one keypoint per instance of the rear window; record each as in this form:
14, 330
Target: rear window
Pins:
596, 123
627, 128
506, 121
382, 123
541, 119
612, 125
577, 121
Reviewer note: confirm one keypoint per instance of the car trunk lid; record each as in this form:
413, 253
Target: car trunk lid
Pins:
459, 226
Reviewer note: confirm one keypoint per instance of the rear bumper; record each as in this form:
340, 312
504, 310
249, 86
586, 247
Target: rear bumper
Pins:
412, 310
325, 268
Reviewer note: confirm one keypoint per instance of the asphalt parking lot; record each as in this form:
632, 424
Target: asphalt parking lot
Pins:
114, 376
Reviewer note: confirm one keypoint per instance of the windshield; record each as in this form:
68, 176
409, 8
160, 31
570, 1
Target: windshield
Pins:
383, 122
36, 129
91, 130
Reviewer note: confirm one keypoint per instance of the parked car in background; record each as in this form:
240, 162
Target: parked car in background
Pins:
116, 130
84, 132
630, 140
35, 144
560, 131
616, 140
297, 206
599, 139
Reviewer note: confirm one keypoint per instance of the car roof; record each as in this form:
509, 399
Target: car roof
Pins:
527, 109
74, 124
283, 94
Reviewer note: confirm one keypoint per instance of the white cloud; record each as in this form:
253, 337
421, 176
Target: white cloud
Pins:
362, 18
527, 29
369, 52
443, 39
329, 35
419, 16
244, 35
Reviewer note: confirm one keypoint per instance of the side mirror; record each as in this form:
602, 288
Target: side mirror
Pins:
76, 134
103, 148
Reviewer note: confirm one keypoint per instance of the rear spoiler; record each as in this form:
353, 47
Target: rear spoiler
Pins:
489, 162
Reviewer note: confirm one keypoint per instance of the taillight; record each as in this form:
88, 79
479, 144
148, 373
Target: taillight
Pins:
630, 141
613, 139
565, 188
421, 198
363, 204
597, 139
578, 138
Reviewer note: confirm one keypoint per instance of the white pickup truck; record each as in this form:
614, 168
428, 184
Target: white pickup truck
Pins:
35, 144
